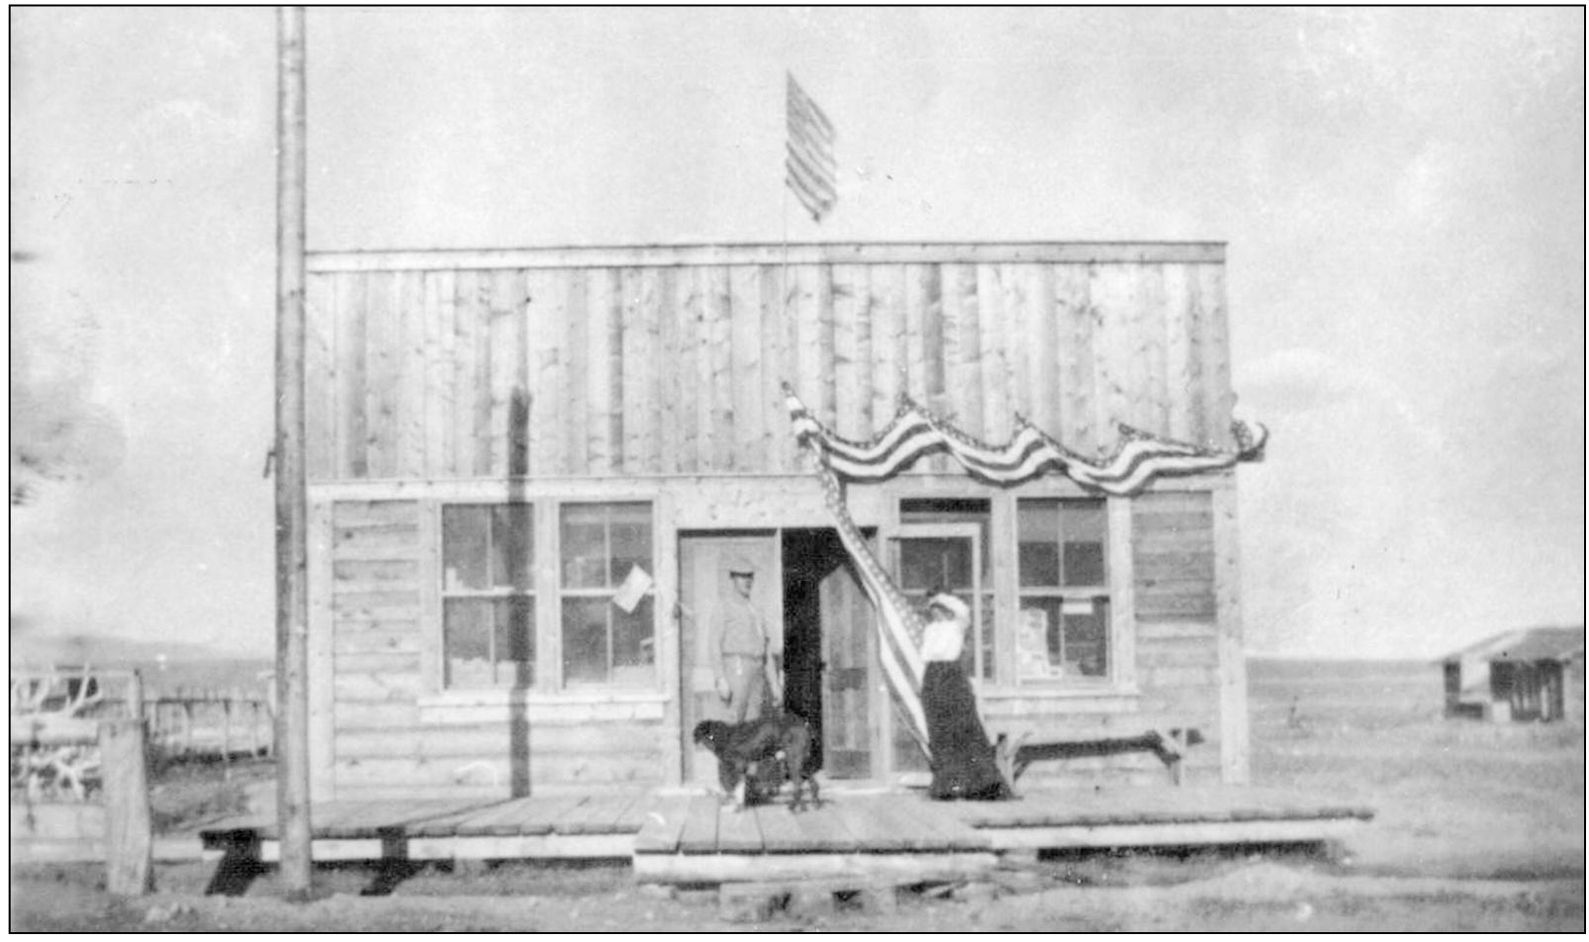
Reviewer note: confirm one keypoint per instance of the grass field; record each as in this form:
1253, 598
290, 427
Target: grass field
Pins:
1478, 828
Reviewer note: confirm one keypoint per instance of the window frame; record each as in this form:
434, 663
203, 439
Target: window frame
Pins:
980, 587
548, 684
494, 593
1061, 591
561, 592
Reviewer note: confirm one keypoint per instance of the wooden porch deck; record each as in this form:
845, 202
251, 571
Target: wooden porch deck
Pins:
692, 838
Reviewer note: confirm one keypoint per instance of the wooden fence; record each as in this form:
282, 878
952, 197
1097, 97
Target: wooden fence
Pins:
80, 739
78, 782
223, 724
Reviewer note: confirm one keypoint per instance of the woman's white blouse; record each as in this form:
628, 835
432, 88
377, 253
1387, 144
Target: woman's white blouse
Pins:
942, 641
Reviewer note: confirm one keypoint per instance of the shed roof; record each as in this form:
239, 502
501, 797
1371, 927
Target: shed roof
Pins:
1527, 644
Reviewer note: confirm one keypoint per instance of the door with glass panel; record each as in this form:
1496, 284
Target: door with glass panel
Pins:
944, 557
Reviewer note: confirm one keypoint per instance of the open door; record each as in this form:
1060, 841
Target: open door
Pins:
848, 642
703, 582
828, 650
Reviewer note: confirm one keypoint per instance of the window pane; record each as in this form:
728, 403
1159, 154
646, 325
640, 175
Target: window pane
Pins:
466, 632
1037, 655
585, 640
515, 642
465, 536
513, 546
926, 562
585, 546
954, 510
1037, 526
633, 652
631, 540
988, 649
1062, 638
1084, 525
1086, 641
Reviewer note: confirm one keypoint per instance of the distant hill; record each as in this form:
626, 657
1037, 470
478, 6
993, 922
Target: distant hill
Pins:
164, 667
39, 647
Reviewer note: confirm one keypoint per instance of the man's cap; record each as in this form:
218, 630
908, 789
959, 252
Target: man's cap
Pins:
740, 566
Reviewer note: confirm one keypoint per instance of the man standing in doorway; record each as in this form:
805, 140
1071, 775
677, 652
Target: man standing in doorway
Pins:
746, 666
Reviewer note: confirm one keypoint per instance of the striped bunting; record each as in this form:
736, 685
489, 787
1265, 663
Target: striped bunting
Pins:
1138, 458
809, 167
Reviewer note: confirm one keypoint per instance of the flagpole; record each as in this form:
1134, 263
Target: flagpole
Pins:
783, 273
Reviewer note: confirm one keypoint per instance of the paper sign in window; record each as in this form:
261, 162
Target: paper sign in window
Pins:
634, 588
1076, 607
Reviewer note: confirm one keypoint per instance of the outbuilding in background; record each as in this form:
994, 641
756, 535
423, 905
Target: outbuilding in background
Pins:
1523, 675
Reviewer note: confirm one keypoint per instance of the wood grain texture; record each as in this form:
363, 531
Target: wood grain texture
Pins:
674, 366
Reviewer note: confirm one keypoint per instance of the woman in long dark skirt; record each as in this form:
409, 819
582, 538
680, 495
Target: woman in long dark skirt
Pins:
963, 765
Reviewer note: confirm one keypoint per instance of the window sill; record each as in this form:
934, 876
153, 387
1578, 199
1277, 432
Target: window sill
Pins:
1101, 691
452, 698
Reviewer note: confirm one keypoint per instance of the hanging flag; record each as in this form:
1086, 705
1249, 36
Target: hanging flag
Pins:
899, 626
809, 167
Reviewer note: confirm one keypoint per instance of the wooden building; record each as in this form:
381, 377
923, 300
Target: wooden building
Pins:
526, 468
1528, 675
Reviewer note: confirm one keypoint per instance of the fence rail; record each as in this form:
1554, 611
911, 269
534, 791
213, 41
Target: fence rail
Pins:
221, 724
56, 714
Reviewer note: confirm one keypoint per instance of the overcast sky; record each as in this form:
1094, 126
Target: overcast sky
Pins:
1402, 191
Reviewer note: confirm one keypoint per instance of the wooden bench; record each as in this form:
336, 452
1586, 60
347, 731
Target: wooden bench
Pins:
1015, 754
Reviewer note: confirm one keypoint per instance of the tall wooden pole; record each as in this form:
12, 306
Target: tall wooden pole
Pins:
292, 598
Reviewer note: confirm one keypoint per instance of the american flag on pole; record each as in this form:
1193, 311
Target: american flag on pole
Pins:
809, 167
1137, 459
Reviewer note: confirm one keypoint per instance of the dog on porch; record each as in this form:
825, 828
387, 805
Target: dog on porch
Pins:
756, 757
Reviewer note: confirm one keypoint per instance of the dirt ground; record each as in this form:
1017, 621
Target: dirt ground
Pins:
1478, 829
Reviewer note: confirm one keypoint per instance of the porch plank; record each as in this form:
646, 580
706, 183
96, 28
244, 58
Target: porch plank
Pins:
822, 830
780, 832
539, 815
492, 819
662, 824
738, 831
370, 819
700, 826
928, 825
599, 815
1223, 804
447, 823
860, 817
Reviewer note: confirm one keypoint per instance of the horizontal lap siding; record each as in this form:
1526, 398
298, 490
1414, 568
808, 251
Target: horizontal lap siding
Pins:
444, 373
388, 739
510, 755
375, 603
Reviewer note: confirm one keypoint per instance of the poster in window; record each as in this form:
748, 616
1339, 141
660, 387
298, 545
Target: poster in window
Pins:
1031, 646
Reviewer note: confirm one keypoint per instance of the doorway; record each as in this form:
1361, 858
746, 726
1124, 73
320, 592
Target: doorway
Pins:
703, 585
821, 619
828, 650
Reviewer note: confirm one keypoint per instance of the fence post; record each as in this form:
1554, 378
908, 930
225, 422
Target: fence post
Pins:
128, 841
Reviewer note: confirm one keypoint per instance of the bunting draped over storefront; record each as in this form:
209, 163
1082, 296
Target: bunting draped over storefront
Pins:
1137, 459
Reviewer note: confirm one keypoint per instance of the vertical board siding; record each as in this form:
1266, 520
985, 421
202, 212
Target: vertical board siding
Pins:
720, 357
850, 413
545, 292
1216, 388
660, 368
319, 360
746, 388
